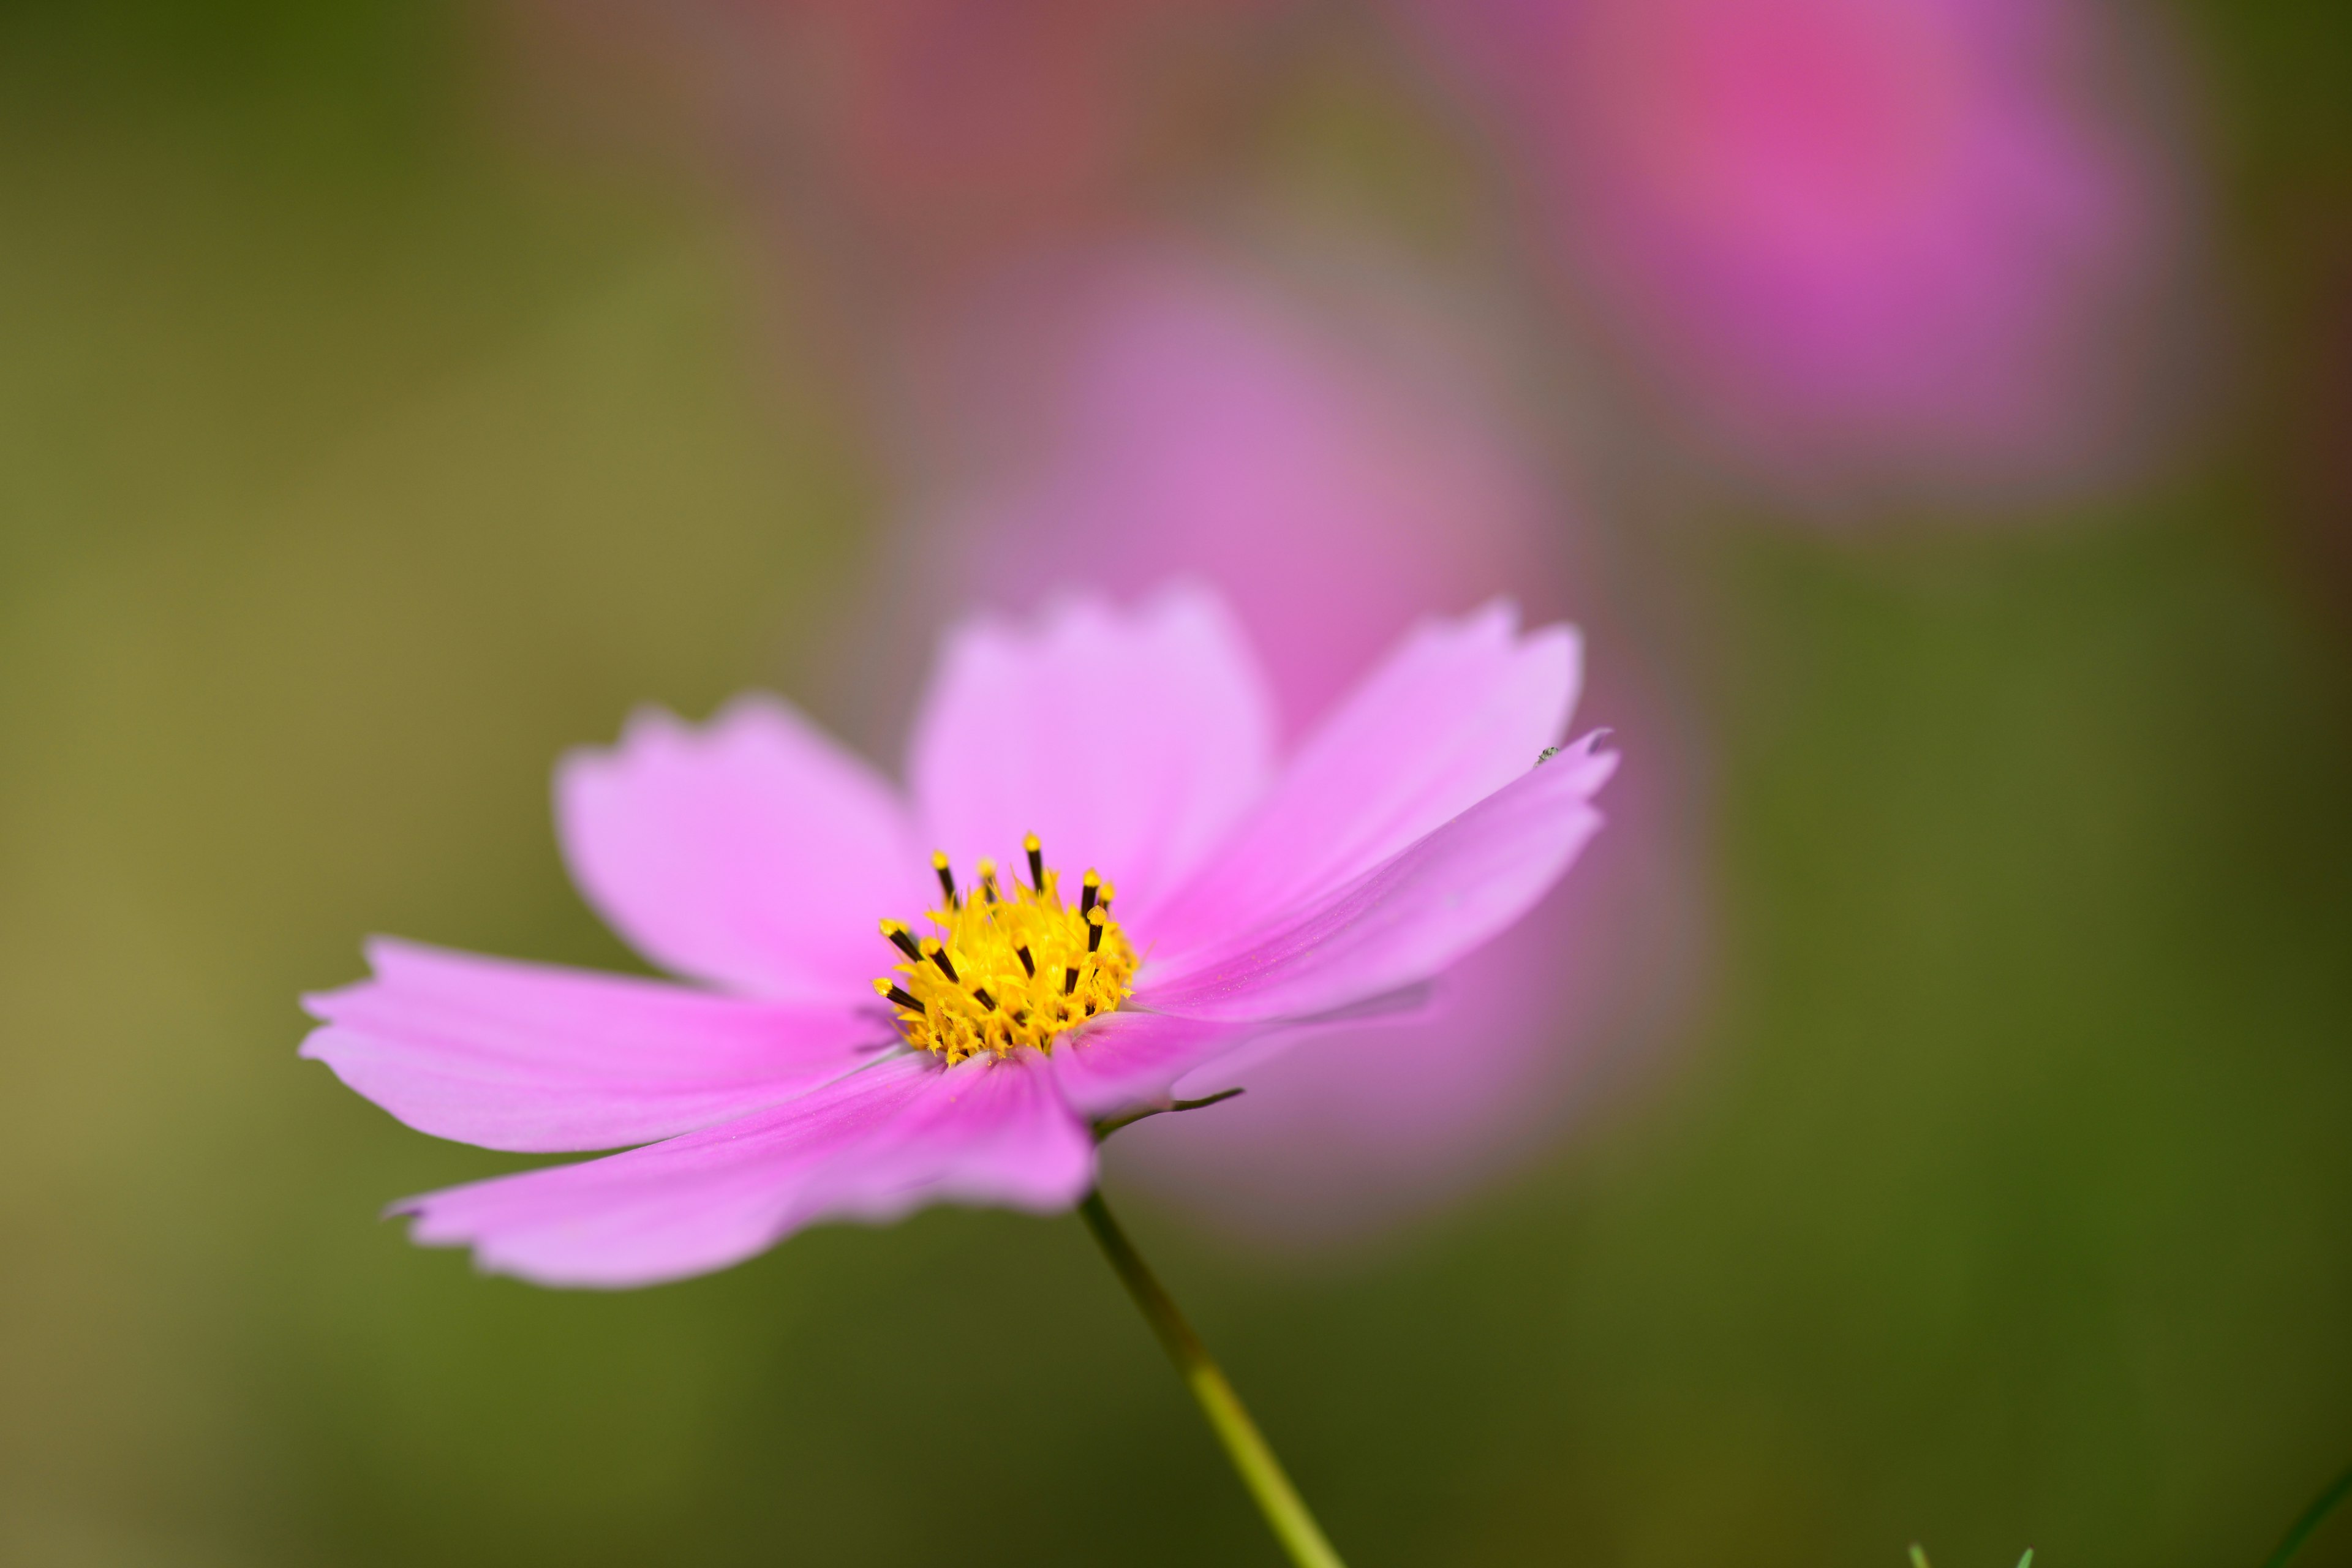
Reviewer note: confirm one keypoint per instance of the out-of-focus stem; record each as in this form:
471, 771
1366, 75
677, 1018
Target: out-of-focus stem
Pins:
2312, 1517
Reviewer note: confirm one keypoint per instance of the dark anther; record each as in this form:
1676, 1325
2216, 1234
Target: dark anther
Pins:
1069, 980
1036, 862
938, 955
1094, 933
1090, 1009
903, 1000
1027, 963
1090, 891
985, 999
903, 939
945, 875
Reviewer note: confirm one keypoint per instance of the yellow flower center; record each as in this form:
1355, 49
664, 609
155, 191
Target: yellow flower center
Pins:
1007, 966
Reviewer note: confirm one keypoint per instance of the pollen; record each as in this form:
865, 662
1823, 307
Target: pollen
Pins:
1010, 964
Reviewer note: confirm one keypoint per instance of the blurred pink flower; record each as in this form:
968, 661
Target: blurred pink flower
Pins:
1894, 238
914, 137
1129, 415
1133, 414
1411, 826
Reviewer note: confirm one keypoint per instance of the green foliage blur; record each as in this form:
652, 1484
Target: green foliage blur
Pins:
359, 451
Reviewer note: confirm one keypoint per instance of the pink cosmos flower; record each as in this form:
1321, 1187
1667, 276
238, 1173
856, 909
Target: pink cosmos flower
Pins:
1922, 237
811, 1066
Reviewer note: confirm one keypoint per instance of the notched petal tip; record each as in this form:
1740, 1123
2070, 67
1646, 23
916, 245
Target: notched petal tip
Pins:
1164, 734
700, 845
378, 952
321, 1004
513, 1055
648, 727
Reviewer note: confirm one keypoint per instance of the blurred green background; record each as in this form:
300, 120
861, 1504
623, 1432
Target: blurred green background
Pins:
359, 451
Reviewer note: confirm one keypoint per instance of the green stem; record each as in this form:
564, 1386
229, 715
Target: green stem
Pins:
1286, 1513
2312, 1517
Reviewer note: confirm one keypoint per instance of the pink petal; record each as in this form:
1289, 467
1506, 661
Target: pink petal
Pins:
529, 1057
872, 1146
754, 853
1461, 708
1363, 1125
1125, 1060
696, 1203
992, 1133
1130, 1059
1126, 741
1407, 918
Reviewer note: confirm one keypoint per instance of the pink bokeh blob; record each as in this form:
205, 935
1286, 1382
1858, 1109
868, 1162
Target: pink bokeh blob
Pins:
1920, 240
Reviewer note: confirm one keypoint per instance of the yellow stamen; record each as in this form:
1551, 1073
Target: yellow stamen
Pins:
1014, 967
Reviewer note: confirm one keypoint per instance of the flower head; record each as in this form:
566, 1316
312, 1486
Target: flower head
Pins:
1012, 966
826, 1070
